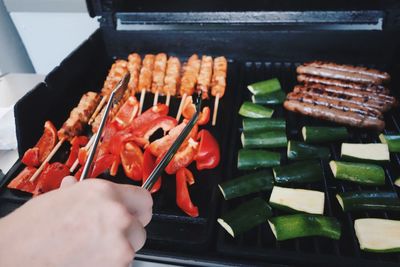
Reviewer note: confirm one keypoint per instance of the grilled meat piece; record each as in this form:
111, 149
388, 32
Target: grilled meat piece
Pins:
339, 116
204, 80
160, 65
190, 75
116, 73
134, 64
218, 82
172, 76
146, 73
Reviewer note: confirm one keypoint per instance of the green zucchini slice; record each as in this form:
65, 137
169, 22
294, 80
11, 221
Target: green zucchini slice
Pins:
245, 216
297, 200
273, 98
247, 184
393, 142
324, 134
362, 173
301, 151
249, 159
397, 182
263, 124
303, 225
251, 110
264, 139
378, 235
265, 87
298, 172
369, 200
370, 153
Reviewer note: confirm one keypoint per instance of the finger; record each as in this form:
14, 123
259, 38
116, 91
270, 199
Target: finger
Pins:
68, 181
137, 200
136, 235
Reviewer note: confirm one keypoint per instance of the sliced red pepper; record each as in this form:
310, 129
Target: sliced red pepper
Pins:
147, 129
204, 116
160, 146
21, 182
51, 177
189, 109
208, 154
149, 163
126, 113
132, 161
115, 166
183, 177
31, 157
82, 155
76, 143
102, 163
183, 157
149, 115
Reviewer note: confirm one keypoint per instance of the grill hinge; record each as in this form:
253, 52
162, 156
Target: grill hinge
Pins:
107, 20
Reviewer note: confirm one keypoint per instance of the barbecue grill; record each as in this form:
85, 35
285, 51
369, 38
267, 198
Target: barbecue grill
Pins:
261, 40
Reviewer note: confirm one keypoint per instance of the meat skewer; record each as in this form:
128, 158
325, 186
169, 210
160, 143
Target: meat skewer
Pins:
370, 104
145, 78
189, 80
218, 83
204, 80
117, 71
377, 89
340, 74
348, 68
321, 100
160, 65
172, 76
78, 118
339, 116
134, 64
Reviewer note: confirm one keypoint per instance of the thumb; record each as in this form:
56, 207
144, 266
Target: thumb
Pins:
68, 181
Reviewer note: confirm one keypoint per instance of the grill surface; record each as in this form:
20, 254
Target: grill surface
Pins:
260, 242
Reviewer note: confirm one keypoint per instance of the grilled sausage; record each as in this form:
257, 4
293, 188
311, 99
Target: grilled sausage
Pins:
190, 75
342, 99
218, 82
134, 64
160, 65
339, 116
376, 89
317, 99
386, 101
172, 76
146, 73
338, 74
204, 80
384, 76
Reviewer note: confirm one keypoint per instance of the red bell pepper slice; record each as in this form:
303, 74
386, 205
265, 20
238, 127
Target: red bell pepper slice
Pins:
31, 157
189, 109
146, 130
149, 115
183, 157
126, 113
183, 177
132, 161
160, 146
76, 143
44, 146
149, 163
21, 182
102, 163
208, 154
51, 177
115, 166
204, 116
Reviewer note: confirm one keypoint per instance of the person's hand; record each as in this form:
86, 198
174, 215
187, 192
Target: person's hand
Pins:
90, 223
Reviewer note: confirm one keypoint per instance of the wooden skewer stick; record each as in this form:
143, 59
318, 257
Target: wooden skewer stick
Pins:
214, 118
47, 159
97, 110
155, 101
168, 99
88, 145
183, 100
142, 96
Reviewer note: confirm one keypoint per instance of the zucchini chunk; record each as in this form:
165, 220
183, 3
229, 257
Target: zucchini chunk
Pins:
245, 216
251, 110
297, 200
362, 173
370, 153
369, 200
249, 159
393, 141
302, 225
298, 172
247, 184
273, 98
263, 124
324, 134
265, 87
264, 139
378, 235
301, 151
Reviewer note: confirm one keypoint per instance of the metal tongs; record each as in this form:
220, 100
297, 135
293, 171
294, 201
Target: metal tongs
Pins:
148, 184
114, 98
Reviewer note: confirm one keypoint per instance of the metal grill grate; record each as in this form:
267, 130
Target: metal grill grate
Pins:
260, 243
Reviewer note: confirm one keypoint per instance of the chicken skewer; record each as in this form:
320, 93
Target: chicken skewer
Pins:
172, 77
134, 64
218, 83
117, 71
160, 65
189, 80
205, 75
145, 78
78, 118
